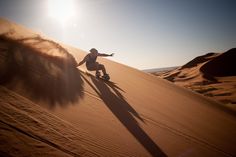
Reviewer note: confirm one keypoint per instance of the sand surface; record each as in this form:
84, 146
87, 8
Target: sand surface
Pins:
51, 108
212, 75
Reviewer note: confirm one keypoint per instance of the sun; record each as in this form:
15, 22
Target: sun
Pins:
61, 10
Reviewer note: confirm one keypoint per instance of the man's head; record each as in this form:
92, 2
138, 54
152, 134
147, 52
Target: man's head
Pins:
93, 52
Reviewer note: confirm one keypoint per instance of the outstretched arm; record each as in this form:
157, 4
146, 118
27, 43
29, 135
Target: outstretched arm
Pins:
105, 55
82, 62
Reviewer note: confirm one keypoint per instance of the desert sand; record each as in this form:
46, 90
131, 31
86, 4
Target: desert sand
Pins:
51, 108
213, 75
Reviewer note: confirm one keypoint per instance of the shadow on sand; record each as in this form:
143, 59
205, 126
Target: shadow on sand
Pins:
124, 112
56, 80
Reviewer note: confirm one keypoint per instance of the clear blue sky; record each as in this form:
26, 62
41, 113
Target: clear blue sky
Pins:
143, 33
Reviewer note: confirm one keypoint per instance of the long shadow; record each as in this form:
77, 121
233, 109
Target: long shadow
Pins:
53, 79
56, 80
125, 113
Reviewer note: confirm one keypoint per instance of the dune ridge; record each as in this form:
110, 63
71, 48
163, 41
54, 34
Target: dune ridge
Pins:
222, 65
212, 75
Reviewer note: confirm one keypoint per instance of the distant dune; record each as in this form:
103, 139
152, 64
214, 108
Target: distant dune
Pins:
221, 66
49, 107
213, 75
158, 70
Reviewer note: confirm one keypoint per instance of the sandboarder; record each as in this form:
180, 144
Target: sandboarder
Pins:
92, 65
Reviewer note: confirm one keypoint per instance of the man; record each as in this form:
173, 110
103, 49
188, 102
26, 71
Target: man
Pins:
92, 65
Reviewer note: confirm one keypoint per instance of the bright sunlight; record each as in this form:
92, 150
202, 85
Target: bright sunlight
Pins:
61, 10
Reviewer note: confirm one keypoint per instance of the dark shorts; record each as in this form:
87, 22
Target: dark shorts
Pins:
92, 66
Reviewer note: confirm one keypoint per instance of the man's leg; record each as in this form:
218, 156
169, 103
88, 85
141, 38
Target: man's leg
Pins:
101, 67
96, 67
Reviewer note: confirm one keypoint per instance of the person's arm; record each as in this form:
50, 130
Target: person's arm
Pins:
82, 62
105, 55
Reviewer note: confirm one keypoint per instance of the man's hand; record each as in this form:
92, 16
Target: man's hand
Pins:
78, 64
112, 54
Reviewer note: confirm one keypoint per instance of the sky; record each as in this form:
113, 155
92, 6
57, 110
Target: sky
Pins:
143, 34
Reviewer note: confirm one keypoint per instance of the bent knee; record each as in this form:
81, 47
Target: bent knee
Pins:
101, 66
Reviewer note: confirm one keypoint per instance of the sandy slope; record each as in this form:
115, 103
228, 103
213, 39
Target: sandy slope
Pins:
50, 108
213, 75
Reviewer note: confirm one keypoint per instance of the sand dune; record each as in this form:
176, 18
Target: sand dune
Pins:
221, 66
51, 108
213, 75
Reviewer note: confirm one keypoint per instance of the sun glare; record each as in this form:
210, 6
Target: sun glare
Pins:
61, 10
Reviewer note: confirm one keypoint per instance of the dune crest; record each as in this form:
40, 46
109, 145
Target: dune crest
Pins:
213, 75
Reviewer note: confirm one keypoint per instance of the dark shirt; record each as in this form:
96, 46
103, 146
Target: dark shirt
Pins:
90, 59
